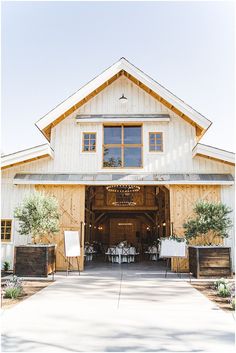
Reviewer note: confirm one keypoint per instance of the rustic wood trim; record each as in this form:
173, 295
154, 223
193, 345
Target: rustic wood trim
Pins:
155, 144
199, 130
123, 145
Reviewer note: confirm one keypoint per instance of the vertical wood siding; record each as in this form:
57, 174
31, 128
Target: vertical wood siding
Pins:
178, 137
182, 201
71, 207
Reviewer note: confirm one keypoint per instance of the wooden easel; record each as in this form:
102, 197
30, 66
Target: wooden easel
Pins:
69, 265
72, 249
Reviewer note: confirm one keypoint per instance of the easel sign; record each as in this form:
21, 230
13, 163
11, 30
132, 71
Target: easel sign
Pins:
72, 247
171, 248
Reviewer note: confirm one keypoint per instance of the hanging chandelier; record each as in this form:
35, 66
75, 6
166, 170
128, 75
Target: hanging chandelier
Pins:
123, 188
124, 203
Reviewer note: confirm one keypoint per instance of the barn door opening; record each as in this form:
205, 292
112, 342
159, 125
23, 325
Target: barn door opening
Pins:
140, 217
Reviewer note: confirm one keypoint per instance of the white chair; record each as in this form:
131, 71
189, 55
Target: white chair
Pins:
113, 255
125, 254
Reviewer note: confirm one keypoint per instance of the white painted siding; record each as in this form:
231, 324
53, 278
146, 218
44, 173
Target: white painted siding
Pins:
228, 198
179, 137
11, 196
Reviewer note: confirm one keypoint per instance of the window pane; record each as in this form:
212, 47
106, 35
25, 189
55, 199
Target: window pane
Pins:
112, 157
86, 148
158, 135
2, 235
2, 223
152, 141
132, 134
158, 148
86, 136
132, 157
112, 135
8, 236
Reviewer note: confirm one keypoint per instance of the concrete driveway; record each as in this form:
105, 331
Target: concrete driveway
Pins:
118, 309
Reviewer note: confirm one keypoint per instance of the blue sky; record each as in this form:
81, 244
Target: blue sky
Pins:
50, 49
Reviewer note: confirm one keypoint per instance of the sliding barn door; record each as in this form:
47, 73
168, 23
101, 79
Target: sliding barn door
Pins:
182, 201
71, 200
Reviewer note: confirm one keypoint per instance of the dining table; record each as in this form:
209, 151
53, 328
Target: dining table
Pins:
121, 254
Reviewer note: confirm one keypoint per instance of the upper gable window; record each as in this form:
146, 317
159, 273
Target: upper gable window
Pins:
122, 146
89, 142
155, 141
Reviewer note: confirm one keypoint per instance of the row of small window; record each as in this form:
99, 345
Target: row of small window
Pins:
123, 135
6, 230
122, 147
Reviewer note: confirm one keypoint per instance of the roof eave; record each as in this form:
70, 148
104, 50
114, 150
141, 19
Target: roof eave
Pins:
122, 65
213, 153
26, 155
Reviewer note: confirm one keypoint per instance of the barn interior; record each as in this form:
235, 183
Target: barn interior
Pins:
136, 215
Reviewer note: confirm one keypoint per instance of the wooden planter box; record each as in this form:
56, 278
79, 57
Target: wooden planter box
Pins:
210, 261
34, 260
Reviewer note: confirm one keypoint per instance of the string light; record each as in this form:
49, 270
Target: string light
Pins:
123, 188
124, 203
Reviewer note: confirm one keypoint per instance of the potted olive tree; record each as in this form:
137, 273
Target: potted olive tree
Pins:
38, 218
207, 230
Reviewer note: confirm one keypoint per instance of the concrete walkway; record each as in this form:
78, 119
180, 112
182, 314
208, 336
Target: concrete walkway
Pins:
122, 308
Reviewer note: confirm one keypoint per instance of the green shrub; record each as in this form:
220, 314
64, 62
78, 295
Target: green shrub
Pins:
6, 266
13, 288
219, 282
223, 290
38, 216
12, 293
210, 218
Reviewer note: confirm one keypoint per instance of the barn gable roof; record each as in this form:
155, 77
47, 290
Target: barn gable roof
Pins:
215, 153
27, 155
145, 82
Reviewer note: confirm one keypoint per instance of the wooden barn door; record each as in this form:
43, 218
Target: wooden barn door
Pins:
71, 200
182, 201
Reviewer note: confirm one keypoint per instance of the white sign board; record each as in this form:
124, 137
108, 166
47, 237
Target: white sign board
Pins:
72, 243
172, 248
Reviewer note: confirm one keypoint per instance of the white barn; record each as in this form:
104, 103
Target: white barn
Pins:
122, 128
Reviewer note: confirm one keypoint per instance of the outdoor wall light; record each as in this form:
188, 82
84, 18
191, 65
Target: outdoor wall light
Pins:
123, 99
